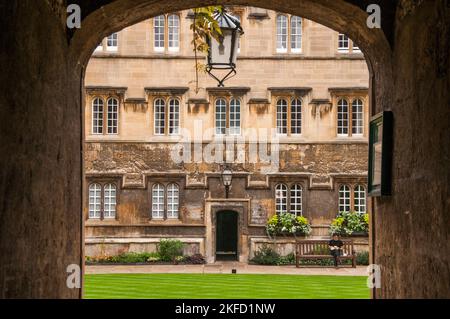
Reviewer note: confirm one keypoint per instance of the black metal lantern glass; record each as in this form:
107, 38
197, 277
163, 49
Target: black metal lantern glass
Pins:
222, 54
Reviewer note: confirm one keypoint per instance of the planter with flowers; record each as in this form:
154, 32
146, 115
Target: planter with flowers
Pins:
288, 225
350, 224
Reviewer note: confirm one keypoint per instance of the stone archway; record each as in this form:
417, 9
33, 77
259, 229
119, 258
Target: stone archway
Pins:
40, 142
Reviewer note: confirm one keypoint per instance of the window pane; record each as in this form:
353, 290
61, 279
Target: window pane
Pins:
173, 199
158, 201
95, 193
282, 116
235, 117
112, 42
282, 33
342, 117
296, 200
344, 198
221, 116
113, 116
281, 199
360, 199
160, 118
97, 116
158, 29
109, 209
174, 117
174, 32
343, 43
296, 116
296, 34
357, 117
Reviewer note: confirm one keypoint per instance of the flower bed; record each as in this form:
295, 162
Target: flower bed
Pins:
144, 259
169, 252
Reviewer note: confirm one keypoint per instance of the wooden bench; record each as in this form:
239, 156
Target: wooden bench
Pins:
319, 249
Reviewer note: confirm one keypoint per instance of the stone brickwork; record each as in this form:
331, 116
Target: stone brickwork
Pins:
336, 163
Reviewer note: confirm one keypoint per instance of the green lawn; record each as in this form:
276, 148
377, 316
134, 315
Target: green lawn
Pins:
223, 286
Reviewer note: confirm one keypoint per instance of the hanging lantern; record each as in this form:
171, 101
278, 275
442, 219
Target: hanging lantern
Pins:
222, 54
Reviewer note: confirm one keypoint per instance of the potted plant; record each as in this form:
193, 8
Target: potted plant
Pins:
350, 224
288, 224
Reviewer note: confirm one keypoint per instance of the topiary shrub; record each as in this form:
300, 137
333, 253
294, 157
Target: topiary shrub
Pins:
170, 249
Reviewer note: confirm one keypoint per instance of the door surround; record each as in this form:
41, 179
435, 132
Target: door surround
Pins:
239, 206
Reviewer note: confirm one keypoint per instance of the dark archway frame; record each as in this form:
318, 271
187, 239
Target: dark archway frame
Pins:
41, 138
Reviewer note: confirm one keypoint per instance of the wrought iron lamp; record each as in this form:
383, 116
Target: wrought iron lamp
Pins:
227, 176
222, 54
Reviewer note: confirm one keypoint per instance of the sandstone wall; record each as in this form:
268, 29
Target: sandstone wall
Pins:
412, 226
40, 153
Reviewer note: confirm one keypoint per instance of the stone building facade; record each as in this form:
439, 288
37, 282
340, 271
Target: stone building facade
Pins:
156, 144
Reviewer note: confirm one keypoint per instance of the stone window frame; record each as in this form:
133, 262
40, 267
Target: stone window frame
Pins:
104, 47
352, 48
345, 125
165, 183
166, 48
289, 49
289, 183
103, 182
365, 198
114, 37
105, 113
228, 98
352, 114
97, 115
107, 126
167, 99
344, 188
289, 98
352, 186
344, 94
